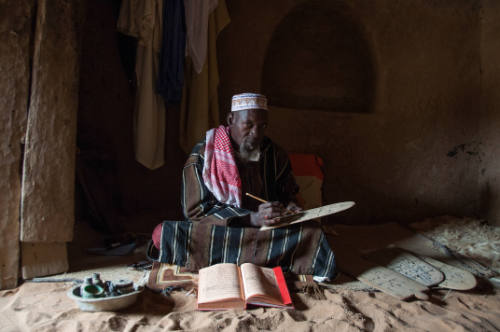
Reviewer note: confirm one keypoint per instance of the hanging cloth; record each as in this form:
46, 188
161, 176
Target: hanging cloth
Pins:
173, 50
142, 19
200, 103
197, 14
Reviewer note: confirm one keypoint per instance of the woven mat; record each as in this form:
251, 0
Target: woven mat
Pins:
164, 275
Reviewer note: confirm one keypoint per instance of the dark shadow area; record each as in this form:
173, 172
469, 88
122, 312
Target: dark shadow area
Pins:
298, 303
116, 194
319, 59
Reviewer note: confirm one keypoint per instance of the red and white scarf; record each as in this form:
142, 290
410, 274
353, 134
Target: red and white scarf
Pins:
220, 172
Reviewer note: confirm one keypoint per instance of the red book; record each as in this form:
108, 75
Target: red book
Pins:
280, 279
228, 286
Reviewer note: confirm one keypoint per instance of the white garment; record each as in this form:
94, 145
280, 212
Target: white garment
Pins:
197, 13
142, 19
321, 279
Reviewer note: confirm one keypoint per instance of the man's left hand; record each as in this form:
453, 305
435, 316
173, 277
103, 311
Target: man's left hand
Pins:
292, 206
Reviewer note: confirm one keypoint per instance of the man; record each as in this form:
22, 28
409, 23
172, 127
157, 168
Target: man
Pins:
222, 222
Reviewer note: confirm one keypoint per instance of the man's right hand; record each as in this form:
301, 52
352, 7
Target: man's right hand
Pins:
267, 214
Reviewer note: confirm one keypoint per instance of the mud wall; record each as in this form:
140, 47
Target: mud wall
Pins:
489, 133
400, 138
415, 153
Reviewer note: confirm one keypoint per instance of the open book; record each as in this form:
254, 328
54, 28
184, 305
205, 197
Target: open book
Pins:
228, 286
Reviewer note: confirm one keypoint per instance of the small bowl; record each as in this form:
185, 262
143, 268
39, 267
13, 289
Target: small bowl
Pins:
91, 291
109, 303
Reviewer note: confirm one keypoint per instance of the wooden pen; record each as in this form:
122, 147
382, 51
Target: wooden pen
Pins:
257, 198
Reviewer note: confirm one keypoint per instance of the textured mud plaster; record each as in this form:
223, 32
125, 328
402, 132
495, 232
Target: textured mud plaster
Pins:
332, 64
49, 164
489, 132
392, 161
15, 29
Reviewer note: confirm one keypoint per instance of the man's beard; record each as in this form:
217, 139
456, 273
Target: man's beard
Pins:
246, 153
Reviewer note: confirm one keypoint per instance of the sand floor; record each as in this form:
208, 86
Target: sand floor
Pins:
46, 307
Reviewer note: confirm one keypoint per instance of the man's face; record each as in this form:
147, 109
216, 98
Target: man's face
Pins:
248, 128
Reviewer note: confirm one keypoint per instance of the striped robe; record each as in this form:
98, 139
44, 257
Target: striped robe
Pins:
213, 234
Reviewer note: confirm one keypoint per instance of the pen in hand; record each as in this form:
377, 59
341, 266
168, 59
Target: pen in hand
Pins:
285, 210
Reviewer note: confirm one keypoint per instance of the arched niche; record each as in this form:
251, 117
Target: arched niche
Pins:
319, 59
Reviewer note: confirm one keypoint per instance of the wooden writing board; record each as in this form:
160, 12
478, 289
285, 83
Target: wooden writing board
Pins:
407, 264
393, 283
455, 278
425, 247
458, 275
458, 272
311, 214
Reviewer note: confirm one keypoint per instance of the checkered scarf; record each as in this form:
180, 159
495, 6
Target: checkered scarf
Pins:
220, 173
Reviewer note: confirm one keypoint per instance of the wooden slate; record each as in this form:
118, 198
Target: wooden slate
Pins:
406, 264
349, 261
47, 211
312, 214
425, 247
408, 239
15, 33
393, 283
455, 278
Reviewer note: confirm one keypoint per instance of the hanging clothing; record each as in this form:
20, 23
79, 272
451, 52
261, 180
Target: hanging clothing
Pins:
127, 47
200, 102
142, 19
173, 50
197, 14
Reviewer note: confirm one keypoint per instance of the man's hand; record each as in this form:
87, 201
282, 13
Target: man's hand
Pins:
293, 207
268, 214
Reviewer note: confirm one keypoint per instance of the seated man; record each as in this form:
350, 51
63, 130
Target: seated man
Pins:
222, 222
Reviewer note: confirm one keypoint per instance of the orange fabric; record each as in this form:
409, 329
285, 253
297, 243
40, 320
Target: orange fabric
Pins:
306, 165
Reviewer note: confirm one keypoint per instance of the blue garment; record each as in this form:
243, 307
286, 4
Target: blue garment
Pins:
173, 50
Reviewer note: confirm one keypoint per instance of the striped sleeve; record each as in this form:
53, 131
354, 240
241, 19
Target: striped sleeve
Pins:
198, 203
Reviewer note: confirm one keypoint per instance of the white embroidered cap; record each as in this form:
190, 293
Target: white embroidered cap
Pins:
248, 101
